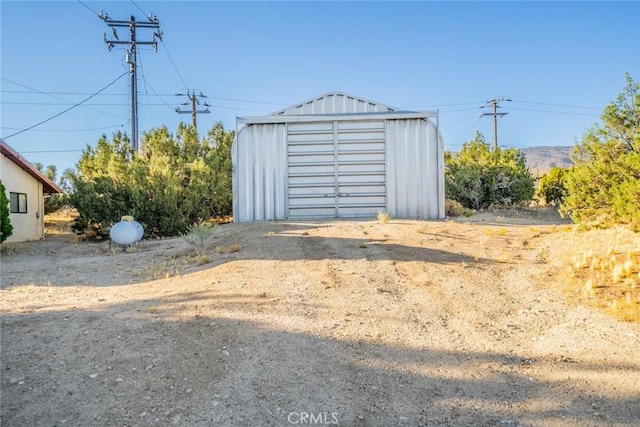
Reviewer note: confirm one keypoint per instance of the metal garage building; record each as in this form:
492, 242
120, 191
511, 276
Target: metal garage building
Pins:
338, 156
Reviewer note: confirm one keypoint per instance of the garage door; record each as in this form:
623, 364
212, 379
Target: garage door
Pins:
336, 169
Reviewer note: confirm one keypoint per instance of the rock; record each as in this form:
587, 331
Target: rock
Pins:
92, 376
16, 380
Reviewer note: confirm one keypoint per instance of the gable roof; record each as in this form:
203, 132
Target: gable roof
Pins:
47, 185
335, 103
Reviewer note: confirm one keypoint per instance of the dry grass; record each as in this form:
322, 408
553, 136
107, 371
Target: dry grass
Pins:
59, 222
8, 248
383, 217
603, 268
234, 248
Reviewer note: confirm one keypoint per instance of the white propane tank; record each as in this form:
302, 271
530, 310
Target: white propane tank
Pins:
126, 232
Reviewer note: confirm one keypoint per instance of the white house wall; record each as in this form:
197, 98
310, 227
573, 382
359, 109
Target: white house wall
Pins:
30, 225
260, 184
415, 171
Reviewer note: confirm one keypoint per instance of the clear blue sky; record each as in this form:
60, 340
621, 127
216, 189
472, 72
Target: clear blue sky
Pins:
561, 63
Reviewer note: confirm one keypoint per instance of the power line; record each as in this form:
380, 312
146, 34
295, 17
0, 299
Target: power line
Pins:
54, 97
159, 96
68, 109
558, 105
93, 11
557, 112
155, 104
144, 81
174, 64
66, 130
443, 105
143, 12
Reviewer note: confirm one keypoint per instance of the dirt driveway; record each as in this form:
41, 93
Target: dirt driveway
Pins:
409, 323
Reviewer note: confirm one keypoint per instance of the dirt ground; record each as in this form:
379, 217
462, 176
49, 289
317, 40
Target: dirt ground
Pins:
352, 323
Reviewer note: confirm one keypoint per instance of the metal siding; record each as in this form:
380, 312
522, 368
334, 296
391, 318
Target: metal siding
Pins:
259, 173
346, 166
414, 165
336, 169
310, 170
335, 103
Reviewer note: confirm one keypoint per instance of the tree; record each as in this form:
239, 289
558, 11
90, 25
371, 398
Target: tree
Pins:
173, 182
604, 185
55, 201
479, 177
6, 229
553, 188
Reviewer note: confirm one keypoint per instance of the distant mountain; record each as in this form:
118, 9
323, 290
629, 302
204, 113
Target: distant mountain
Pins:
540, 160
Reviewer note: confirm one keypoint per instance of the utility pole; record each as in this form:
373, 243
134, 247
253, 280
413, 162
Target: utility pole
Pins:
131, 58
494, 103
194, 101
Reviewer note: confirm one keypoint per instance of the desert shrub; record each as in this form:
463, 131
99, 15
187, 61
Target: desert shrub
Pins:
6, 229
453, 208
604, 185
383, 217
553, 188
171, 183
479, 177
199, 234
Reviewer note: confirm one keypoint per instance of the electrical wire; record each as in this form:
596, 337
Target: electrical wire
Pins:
93, 11
174, 64
143, 12
144, 81
67, 130
443, 105
156, 94
557, 105
68, 109
54, 97
555, 112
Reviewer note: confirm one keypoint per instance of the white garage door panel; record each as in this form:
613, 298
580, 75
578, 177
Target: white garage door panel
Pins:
336, 169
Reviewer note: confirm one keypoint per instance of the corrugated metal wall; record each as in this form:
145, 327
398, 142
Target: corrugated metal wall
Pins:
338, 155
415, 170
259, 159
335, 103
338, 169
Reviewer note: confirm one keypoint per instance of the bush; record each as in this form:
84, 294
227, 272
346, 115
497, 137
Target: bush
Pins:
479, 177
6, 229
172, 183
453, 208
604, 185
199, 234
553, 188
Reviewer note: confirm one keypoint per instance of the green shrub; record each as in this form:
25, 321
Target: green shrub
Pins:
199, 234
171, 183
6, 229
604, 185
553, 188
479, 177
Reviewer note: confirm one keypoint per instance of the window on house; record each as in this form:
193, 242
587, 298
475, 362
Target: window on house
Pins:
18, 202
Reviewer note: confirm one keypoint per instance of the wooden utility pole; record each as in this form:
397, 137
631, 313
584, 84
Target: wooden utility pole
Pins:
494, 103
131, 58
194, 102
